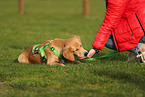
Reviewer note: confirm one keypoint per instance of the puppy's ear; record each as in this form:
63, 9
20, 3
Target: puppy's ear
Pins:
73, 36
68, 54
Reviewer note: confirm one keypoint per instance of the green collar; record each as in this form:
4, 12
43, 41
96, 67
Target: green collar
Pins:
42, 53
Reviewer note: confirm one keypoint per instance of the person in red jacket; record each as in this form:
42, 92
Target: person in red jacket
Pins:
123, 27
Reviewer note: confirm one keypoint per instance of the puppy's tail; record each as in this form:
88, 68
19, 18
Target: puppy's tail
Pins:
22, 59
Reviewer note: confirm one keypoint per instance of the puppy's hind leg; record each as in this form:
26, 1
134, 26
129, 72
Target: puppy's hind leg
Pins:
23, 59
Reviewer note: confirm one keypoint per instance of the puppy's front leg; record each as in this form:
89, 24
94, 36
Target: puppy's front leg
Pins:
54, 60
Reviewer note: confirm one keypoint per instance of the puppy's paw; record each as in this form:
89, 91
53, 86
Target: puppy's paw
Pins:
77, 62
62, 64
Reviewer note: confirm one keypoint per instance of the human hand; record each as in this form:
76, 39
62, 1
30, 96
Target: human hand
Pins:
89, 55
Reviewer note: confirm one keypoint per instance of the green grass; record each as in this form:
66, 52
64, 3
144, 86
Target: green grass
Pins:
49, 19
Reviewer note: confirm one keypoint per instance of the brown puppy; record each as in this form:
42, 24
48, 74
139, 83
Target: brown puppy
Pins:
66, 47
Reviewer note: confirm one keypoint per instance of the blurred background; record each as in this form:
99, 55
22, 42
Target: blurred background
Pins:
48, 19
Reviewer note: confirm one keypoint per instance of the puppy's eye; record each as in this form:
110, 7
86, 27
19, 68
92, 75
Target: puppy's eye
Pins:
77, 49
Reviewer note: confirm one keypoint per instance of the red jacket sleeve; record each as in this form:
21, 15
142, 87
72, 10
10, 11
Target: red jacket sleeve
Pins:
114, 12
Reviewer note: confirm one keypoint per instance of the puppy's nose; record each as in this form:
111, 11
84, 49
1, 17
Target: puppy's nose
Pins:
86, 53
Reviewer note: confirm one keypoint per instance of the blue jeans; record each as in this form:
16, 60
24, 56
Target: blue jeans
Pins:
110, 44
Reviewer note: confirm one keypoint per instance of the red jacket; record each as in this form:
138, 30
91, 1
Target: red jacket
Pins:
126, 20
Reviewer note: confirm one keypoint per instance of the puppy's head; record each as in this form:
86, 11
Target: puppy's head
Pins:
73, 46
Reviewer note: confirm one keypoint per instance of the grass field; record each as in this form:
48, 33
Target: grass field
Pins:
49, 19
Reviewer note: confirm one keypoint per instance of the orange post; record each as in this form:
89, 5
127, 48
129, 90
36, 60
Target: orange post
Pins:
21, 6
86, 7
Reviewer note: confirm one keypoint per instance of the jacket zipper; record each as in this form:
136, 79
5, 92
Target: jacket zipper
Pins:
115, 41
140, 23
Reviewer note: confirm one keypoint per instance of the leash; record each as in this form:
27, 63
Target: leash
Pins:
42, 53
104, 56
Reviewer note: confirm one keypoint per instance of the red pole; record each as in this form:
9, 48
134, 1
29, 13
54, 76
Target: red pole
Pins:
21, 6
86, 7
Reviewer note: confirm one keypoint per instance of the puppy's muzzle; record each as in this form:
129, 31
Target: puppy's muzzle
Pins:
86, 53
